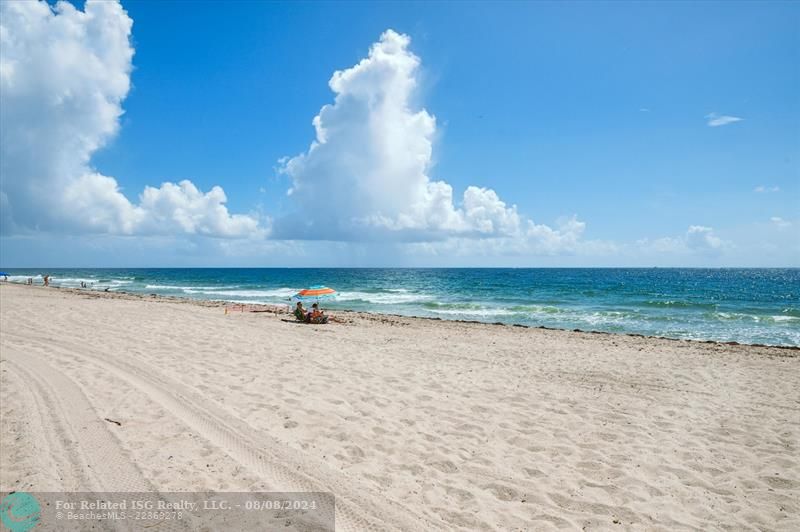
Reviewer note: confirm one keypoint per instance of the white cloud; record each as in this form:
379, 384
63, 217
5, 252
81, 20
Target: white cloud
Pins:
697, 239
780, 222
716, 120
193, 211
488, 214
366, 175
762, 189
530, 240
64, 74
702, 238
95, 202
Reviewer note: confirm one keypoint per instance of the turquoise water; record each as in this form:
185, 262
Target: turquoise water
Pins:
743, 305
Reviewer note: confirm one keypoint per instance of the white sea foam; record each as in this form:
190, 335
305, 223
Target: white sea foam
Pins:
735, 316
383, 298
279, 293
601, 318
23, 278
482, 312
785, 318
76, 281
257, 302
186, 288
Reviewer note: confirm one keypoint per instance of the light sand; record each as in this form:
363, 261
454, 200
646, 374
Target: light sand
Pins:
413, 424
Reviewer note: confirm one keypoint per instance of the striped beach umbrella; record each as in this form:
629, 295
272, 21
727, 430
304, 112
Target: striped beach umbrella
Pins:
316, 293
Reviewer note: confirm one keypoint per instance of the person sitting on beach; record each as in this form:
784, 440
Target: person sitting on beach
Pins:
316, 315
300, 313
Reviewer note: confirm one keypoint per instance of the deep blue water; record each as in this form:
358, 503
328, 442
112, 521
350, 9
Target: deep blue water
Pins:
744, 305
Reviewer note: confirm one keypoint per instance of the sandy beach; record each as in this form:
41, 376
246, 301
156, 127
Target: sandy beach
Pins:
413, 424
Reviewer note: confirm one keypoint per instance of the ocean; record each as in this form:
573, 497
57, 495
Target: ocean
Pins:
742, 305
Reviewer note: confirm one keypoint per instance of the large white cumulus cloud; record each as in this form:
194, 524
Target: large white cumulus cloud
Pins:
64, 74
366, 175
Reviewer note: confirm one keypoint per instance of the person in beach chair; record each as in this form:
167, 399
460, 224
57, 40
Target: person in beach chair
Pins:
316, 315
300, 313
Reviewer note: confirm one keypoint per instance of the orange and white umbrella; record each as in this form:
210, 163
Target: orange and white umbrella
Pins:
315, 292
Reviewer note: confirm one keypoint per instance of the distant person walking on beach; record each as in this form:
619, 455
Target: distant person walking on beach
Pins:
47, 280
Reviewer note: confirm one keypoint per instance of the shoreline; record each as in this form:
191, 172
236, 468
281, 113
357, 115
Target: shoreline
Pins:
277, 309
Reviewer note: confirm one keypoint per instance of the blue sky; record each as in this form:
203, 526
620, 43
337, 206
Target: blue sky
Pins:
597, 111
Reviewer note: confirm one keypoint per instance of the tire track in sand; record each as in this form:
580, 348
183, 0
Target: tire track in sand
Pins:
73, 430
71, 424
45, 454
288, 471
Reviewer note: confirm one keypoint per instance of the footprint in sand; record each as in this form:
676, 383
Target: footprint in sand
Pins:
445, 466
780, 483
461, 519
501, 492
463, 496
355, 453
533, 473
